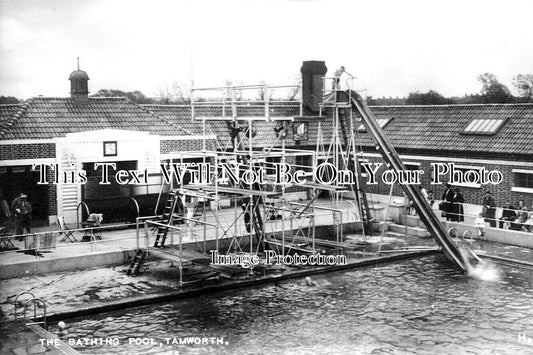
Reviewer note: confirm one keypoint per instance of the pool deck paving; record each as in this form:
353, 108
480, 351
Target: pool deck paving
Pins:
113, 240
33, 340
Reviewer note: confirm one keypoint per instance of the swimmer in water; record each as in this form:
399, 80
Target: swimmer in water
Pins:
62, 329
309, 282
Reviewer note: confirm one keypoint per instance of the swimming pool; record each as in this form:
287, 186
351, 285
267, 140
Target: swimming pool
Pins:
415, 306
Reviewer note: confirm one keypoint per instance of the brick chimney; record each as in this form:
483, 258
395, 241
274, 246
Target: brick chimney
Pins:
312, 73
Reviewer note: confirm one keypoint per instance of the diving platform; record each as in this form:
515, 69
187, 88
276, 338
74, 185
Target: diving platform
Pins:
331, 188
233, 191
175, 255
244, 118
184, 256
309, 118
246, 103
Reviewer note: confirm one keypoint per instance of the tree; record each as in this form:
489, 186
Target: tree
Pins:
135, 96
8, 100
178, 93
493, 91
295, 79
524, 84
429, 98
262, 92
370, 101
230, 92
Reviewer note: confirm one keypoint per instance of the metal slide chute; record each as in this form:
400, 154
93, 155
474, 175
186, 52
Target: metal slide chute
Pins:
413, 192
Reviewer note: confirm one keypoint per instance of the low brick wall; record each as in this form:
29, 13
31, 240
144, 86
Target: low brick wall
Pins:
495, 235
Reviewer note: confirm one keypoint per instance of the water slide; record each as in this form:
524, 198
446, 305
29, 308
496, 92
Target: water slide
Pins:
413, 192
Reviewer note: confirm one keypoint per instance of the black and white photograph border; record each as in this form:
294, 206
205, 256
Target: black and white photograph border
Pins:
266, 177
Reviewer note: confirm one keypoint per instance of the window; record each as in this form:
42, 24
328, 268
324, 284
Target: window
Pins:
523, 180
271, 164
411, 165
484, 126
93, 189
304, 162
381, 121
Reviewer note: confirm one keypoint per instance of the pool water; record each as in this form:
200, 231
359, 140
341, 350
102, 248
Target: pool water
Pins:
420, 306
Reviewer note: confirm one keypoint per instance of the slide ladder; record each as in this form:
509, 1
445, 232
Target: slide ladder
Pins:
358, 190
413, 192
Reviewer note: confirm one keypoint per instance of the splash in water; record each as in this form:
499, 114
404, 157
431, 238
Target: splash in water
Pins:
484, 271
478, 268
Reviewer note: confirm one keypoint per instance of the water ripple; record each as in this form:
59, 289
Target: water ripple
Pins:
416, 306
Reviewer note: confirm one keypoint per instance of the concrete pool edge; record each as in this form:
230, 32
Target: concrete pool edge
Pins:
65, 263
142, 300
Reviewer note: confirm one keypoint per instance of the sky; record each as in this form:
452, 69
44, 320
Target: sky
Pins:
394, 46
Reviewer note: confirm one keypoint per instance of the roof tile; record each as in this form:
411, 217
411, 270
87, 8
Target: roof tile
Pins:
431, 128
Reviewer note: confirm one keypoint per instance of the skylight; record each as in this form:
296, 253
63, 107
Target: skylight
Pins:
483, 126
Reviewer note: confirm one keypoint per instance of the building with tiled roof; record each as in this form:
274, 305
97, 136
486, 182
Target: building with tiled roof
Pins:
430, 129
473, 137
492, 136
7, 112
75, 133
47, 118
86, 130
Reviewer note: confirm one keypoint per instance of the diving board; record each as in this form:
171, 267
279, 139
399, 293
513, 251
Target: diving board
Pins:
233, 190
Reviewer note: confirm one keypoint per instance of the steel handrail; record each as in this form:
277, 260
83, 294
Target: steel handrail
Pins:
78, 212
245, 86
35, 300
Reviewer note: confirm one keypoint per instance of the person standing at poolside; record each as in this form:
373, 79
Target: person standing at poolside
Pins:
23, 215
457, 206
480, 224
5, 212
489, 204
508, 215
447, 200
431, 199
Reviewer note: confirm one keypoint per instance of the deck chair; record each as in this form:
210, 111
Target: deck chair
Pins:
63, 229
5, 241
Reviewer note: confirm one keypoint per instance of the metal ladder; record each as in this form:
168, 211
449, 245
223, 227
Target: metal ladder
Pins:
35, 301
354, 165
137, 262
167, 218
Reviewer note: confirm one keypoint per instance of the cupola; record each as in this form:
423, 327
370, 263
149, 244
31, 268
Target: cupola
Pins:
79, 88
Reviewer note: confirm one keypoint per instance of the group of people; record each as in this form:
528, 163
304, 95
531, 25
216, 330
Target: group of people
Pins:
452, 204
513, 218
20, 210
517, 218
